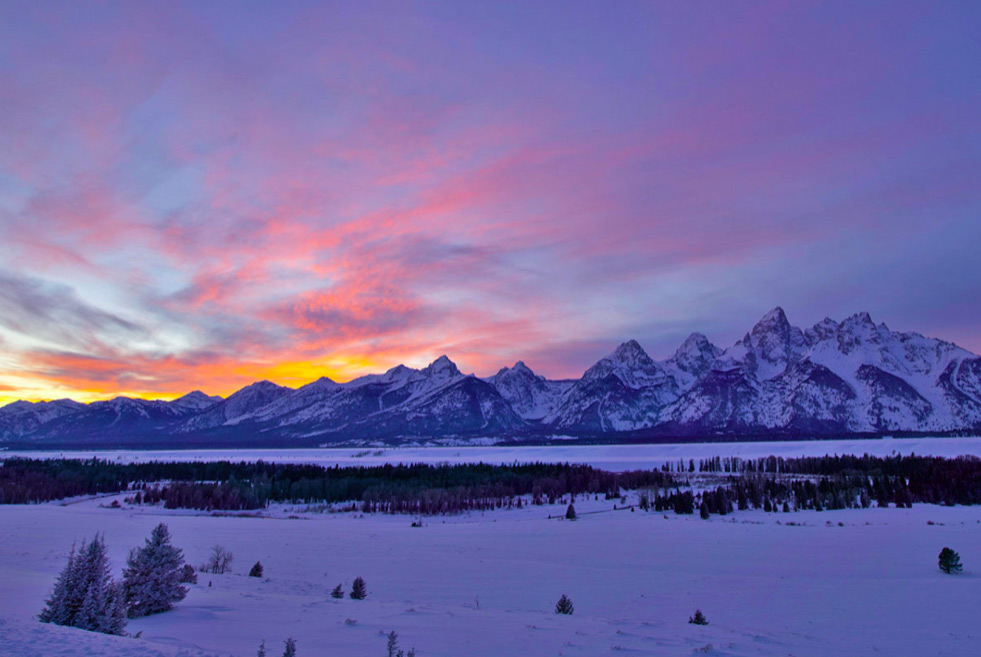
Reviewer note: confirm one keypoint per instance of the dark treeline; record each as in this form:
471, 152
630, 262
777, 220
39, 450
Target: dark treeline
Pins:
771, 483
417, 488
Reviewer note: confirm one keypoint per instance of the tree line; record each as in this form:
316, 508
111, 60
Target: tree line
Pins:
770, 483
415, 488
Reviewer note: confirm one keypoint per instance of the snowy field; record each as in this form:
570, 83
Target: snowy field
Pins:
615, 458
846, 583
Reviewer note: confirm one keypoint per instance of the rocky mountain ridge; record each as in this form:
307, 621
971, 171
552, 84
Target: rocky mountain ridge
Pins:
849, 377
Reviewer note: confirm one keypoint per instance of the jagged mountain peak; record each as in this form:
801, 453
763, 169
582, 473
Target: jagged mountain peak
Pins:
323, 383
442, 367
694, 344
629, 351
773, 321
195, 400
693, 358
518, 369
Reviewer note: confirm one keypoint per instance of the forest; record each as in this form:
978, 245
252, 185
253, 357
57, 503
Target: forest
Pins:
711, 486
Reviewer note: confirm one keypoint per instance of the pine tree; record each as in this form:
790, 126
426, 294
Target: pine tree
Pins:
564, 605
256, 570
56, 609
393, 644
262, 649
570, 513
338, 592
698, 618
152, 577
290, 648
85, 595
358, 590
950, 561
703, 511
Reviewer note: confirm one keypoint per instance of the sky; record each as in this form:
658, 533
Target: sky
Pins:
199, 195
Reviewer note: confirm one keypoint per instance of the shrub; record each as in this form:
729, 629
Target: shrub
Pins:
950, 561
698, 618
256, 570
338, 592
188, 576
570, 513
564, 605
358, 590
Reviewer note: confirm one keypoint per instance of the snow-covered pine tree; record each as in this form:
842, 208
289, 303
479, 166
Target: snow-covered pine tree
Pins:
152, 577
358, 590
56, 608
85, 595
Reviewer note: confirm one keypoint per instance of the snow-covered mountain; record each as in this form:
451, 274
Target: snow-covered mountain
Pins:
848, 377
23, 417
532, 396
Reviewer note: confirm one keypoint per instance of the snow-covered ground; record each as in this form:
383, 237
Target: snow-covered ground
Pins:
846, 583
616, 458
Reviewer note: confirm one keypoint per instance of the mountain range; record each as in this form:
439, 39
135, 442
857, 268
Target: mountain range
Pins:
853, 377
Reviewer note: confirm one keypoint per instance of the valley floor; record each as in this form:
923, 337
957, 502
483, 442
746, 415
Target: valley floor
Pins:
852, 582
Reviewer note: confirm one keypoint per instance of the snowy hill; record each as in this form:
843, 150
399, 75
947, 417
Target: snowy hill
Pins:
849, 377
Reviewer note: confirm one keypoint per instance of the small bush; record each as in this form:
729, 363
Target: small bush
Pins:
564, 605
698, 618
256, 570
950, 561
358, 590
338, 592
188, 576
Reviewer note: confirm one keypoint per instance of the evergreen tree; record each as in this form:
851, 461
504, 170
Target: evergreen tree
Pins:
256, 570
85, 595
290, 648
570, 513
393, 644
358, 590
56, 610
338, 592
262, 649
564, 605
153, 573
950, 561
703, 510
698, 618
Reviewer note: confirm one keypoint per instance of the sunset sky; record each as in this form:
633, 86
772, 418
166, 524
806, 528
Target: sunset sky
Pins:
200, 195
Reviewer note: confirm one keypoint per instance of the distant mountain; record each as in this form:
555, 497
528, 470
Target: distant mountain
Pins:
852, 377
